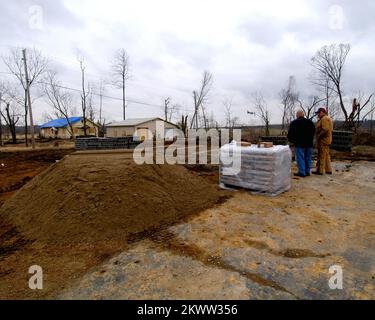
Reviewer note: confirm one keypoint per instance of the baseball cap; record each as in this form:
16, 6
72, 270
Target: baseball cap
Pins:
321, 109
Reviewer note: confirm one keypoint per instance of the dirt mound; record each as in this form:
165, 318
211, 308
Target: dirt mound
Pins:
90, 198
17, 168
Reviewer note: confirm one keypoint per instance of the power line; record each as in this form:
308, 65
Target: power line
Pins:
104, 96
98, 94
94, 93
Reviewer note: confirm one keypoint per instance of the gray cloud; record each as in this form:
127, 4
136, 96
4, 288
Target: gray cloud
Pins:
246, 48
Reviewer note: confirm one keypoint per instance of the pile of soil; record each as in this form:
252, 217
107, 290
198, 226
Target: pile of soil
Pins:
17, 168
85, 209
95, 198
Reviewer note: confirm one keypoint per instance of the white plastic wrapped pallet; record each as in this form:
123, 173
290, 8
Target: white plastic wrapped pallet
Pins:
262, 170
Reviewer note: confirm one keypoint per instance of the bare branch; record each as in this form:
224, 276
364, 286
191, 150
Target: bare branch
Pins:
328, 63
121, 74
200, 99
261, 110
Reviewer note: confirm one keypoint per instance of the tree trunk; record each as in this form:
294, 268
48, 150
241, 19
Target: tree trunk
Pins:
26, 112
11, 125
1, 132
71, 129
12, 129
123, 97
342, 103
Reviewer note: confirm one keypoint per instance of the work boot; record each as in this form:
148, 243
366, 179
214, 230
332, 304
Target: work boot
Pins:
299, 175
317, 173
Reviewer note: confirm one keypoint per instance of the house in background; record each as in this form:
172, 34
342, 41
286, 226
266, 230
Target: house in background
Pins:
140, 128
59, 128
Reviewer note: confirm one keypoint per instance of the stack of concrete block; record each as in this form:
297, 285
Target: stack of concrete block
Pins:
261, 170
342, 140
106, 143
276, 140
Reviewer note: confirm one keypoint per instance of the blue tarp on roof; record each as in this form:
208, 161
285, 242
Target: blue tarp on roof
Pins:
60, 123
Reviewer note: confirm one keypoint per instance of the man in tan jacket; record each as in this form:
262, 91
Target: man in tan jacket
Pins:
324, 129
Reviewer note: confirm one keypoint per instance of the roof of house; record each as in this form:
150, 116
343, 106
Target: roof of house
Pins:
60, 123
133, 122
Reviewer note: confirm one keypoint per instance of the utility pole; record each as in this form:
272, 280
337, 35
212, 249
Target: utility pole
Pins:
29, 100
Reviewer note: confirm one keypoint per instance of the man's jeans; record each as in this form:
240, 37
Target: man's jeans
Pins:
303, 158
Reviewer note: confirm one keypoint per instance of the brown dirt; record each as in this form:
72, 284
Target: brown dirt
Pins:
59, 220
83, 210
20, 167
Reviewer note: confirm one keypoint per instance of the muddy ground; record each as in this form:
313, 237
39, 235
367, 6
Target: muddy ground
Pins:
249, 247
252, 247
84, 209
20, 166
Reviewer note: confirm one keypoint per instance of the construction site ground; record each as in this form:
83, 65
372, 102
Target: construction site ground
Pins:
207, 243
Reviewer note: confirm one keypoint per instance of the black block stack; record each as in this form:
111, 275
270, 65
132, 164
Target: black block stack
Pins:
106, 143
276, 140
342, 140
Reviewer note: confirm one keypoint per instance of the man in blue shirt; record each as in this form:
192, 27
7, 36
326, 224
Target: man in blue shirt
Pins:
301, 134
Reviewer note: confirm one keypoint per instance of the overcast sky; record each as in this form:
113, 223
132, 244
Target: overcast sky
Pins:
246, 45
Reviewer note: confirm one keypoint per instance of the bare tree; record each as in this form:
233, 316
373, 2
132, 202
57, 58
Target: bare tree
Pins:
329, 63
211, 122
36, 66
84, 95
1, 126
329, 95
184, 125
289, 97
1, 122
200, 98
167, 102
169, 109
59, 99
360, 111
261, 110
121, 73
101, 120
228, 111
310, 105
230, 120
10, 113
90, 104
334, 111
371, 115
11, 117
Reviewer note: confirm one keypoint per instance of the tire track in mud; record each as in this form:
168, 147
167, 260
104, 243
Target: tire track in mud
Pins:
165, 240
294, 253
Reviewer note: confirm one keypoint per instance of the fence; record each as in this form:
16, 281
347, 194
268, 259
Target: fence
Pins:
341, 140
